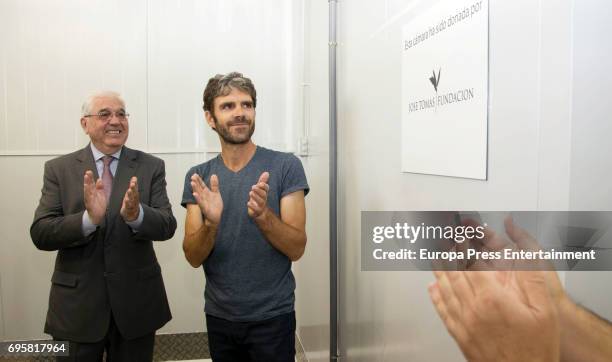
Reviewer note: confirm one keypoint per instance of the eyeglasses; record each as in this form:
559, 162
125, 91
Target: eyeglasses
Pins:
105, 115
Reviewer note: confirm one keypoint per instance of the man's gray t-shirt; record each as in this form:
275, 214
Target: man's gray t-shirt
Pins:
247, 279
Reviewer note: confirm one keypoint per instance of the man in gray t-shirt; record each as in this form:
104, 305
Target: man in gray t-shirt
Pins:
245, 224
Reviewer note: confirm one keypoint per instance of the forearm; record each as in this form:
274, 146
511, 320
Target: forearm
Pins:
198, 245
584, 336
53, 232
157, 224
51, 229
285, 238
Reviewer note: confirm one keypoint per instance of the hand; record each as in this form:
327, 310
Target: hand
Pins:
209, 200
499, 316
94, 198
519, 240
258, 197
130, 208
489, 313
527, 242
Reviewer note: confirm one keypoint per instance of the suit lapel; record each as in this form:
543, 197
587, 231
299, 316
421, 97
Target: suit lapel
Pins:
125, 170
86, 162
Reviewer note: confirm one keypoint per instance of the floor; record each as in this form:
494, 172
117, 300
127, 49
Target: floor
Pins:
184, 347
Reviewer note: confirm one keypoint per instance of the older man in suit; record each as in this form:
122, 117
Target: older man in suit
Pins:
100, 208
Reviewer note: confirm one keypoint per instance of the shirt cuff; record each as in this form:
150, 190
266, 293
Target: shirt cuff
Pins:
87, 226
136, 223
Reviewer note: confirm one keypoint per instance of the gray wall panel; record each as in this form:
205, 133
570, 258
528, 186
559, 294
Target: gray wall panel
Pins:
532, 161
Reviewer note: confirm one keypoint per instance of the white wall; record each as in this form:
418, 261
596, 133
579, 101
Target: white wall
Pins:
159, 55
591, 132
591, 128
535, 158
312, 271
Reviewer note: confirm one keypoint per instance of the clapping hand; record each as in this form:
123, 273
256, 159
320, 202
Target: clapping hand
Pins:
94, 198
258, 197
209, 199
130, 208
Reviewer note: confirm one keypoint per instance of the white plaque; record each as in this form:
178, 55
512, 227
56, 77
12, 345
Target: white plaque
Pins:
445, 90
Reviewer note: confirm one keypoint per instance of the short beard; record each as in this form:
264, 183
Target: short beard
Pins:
225, 134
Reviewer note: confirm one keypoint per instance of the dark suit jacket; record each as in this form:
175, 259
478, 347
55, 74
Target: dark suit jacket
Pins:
113, 269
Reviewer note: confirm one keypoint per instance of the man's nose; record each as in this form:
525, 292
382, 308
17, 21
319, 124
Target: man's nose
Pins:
114, 119
238, 112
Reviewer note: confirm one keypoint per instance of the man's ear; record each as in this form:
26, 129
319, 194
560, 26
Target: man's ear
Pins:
209, 119
84, 124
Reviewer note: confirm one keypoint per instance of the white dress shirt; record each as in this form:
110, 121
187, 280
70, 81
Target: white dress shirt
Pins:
88, 226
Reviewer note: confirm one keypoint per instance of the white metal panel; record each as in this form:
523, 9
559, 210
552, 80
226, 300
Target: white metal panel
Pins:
191, 41
26, 271
54, 54
556, 105
591, 146
158, 54
312, 270
387, 315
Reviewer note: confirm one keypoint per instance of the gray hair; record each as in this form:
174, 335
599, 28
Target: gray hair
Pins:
221, 85
86, 107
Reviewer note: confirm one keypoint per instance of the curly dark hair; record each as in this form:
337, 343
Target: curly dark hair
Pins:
222, 84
